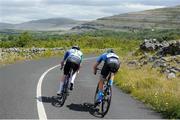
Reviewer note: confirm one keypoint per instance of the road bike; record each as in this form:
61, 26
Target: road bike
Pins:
60, 99
102, 107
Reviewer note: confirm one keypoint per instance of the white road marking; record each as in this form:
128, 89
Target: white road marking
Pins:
41, 111
40, 107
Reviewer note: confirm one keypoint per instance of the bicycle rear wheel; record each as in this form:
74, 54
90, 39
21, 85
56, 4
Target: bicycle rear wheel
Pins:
62, 98
65, 90
57, 101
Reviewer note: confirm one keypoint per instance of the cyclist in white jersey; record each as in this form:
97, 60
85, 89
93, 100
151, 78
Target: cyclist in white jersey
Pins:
72, 59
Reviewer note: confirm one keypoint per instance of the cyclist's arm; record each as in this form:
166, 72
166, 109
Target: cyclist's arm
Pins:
95, 67
81, 61
81, 58
66, 55
64, 59
98, 61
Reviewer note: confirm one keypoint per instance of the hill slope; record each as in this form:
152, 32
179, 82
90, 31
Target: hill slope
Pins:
44, 24
162, 18
5, 25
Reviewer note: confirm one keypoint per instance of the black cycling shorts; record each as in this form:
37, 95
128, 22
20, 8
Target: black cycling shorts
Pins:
70, 65
108, 67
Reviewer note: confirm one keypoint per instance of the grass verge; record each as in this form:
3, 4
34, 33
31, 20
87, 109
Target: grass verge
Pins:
151, 87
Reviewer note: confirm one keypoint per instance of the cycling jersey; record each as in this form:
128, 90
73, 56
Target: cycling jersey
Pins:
74, 54
111, 63
73, 59
105, 56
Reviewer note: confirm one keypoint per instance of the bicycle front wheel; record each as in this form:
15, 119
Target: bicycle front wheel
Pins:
104, 106
106, 102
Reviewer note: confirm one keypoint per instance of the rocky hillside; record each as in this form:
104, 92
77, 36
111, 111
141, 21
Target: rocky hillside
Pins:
165, 57
162, 18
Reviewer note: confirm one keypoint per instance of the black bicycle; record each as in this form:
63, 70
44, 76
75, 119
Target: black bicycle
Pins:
102, 108
60, 99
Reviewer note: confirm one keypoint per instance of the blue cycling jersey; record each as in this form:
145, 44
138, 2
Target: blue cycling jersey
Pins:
105, 56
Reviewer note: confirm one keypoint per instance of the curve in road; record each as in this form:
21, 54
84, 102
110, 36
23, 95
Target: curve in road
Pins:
18, 91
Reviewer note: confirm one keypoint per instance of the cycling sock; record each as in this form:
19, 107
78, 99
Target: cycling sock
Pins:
73, 77
100, 93
111, 82
61, 86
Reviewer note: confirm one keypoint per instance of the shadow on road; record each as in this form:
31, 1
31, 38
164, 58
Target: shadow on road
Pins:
80, 107
45, 99
53, 100
85, 107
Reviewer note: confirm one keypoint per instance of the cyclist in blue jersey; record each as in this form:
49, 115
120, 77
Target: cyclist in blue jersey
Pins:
111, 64
72, 60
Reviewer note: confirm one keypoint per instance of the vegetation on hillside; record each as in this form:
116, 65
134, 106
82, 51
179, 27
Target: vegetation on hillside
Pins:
93, 39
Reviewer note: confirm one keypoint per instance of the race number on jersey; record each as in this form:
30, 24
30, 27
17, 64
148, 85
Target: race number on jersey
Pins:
111, 55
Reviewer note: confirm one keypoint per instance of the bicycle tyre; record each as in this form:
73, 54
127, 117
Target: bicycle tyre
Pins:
65, 91
108, 102
103, 113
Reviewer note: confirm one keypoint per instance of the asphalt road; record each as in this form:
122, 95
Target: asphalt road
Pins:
19, 86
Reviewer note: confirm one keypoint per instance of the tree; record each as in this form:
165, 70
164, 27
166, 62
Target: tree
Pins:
10, 37
24, 39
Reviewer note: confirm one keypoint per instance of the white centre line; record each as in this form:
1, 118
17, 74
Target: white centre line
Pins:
40, 107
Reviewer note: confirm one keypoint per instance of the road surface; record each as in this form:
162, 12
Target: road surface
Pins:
26, 89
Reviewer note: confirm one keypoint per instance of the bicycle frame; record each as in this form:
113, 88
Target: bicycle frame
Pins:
59, 100
107, 91
65, 92
66, 82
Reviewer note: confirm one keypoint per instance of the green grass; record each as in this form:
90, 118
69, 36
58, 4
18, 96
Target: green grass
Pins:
11, 58
151, 87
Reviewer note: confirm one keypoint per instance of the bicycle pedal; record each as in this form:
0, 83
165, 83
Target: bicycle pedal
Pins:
97, 104
96, 110
59, 95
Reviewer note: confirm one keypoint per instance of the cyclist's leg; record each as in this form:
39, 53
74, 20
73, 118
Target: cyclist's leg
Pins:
66, 71
75, 68
112, 77
104, 74
73, 77
113, 69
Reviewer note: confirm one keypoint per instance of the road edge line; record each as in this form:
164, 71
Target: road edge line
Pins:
40, 106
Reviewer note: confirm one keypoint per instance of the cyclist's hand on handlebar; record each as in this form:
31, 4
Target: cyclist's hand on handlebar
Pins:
95, 71
62, 65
